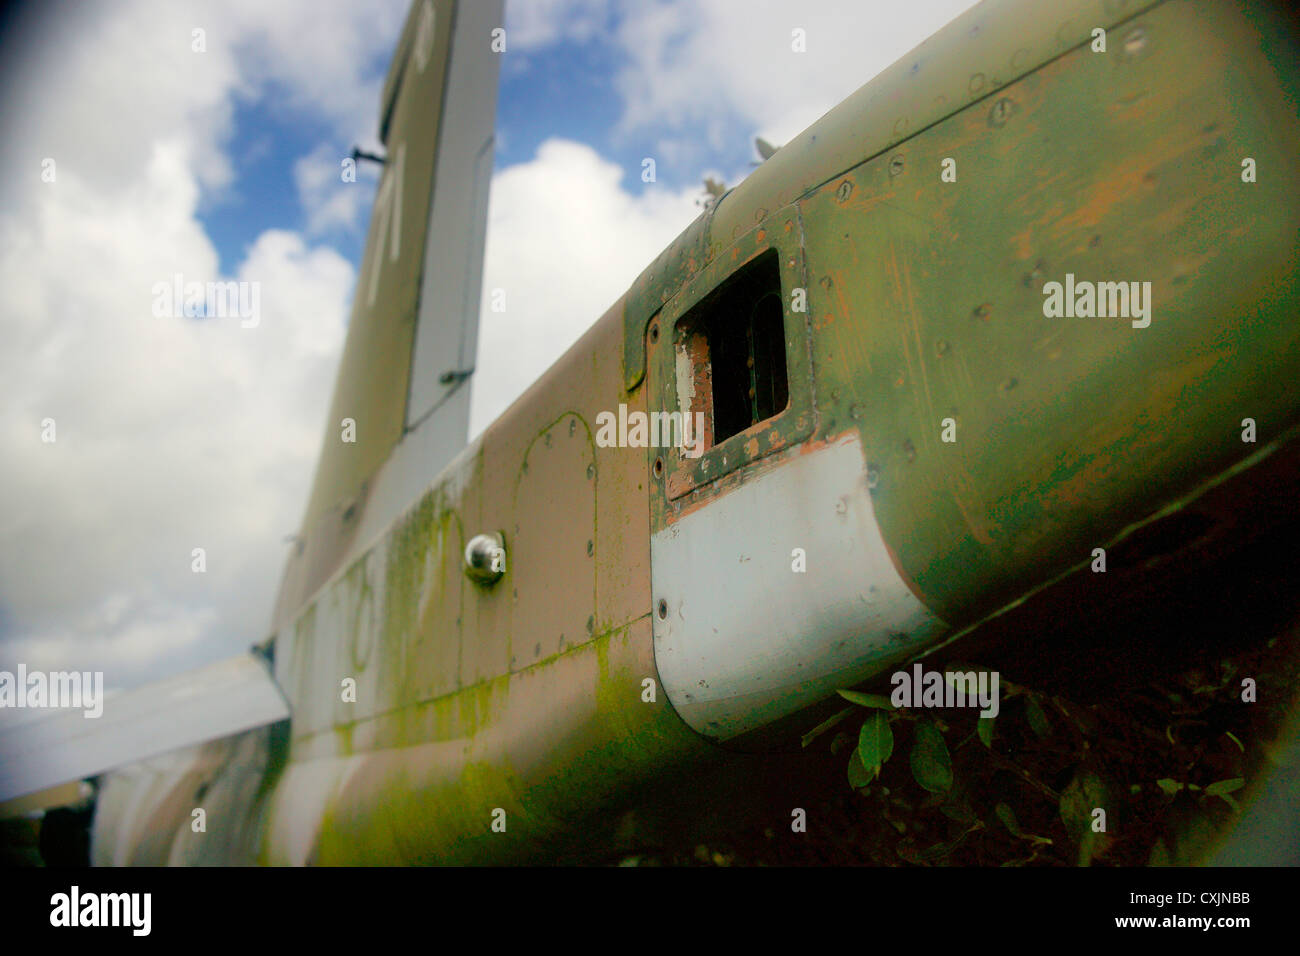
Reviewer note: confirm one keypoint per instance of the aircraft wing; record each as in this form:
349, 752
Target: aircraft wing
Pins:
203, 704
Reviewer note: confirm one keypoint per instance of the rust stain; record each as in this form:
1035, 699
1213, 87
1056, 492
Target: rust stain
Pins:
1126, 182
1022, 243
904, 294
857, 343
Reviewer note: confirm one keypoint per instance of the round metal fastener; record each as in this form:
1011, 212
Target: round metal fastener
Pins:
485, 558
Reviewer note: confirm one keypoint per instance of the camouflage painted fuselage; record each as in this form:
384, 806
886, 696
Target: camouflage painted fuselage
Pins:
924, 320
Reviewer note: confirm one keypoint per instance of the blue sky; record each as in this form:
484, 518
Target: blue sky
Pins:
267, 139
560, 90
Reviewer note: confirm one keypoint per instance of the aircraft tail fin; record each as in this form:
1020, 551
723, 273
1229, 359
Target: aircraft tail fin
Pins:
413, 332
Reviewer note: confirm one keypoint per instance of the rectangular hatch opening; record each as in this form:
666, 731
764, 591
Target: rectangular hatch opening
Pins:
731, 362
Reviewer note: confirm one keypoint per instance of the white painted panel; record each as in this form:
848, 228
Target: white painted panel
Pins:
748, 640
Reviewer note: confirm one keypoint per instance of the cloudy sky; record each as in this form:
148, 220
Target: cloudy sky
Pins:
177, 433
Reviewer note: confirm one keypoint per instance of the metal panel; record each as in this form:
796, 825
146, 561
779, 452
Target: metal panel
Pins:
927, 301
560, 461
742, 638
200, 705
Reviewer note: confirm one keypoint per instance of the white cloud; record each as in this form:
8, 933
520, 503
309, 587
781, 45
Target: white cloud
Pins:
329, 202
533, 24
172, 433
565, 239
328, 59
687, 64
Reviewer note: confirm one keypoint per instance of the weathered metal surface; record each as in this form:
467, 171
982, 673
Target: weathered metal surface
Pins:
782, 236
927, 303
822, 605
555, 743
145, 814
550, 659
560, 464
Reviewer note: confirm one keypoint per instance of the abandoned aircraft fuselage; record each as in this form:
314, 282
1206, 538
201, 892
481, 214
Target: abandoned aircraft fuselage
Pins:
899, 440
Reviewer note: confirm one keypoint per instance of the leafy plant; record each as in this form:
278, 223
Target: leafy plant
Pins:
867, 700
1008, 818
931, 763
1223, 789
1038, 721
875, 743
1085, 793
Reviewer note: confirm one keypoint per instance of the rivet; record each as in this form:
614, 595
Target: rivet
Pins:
845, 191
896, 166
1040, 268
1001, 111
